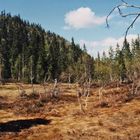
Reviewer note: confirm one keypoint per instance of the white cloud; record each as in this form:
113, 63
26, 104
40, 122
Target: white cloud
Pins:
83, 17
103, 45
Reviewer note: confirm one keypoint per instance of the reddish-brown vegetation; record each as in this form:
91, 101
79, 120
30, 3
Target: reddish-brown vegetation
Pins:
115, 116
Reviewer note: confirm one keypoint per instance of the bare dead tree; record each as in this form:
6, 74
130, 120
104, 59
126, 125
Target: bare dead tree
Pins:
32, 76
43, 95
134, 89
21, 89
23, 65
69, 79
55, 90
102, 91
2, 81
83, 92
137, 89
79, 97
101, 94
49, 91
45, 84
87, 92
0, 73
119, 8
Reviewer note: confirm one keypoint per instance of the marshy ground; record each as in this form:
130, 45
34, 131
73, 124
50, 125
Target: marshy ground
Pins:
114, 117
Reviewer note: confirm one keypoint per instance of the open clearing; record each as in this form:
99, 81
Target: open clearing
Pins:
114, 117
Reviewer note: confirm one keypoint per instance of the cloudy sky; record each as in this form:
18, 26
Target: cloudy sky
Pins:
82, 19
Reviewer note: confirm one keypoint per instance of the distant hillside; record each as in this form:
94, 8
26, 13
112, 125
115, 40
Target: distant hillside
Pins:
29, 53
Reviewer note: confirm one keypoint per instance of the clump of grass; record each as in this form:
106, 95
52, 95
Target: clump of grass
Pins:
100, 123
112, 129
102, 104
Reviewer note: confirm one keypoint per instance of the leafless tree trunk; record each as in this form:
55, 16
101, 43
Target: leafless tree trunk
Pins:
134, 88
101, 94
23, 66
55, 91
44, 84
83, 92
0, 72
32, 76
111, 78
88, 92
19, 68
69, 79
79, 97
1, 78
21, 89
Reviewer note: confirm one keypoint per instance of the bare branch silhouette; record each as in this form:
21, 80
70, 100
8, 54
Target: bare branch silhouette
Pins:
119, 8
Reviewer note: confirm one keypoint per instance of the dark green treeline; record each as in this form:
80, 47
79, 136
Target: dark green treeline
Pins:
28, 52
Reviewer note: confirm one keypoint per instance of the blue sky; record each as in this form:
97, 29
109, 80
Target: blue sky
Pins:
81, 19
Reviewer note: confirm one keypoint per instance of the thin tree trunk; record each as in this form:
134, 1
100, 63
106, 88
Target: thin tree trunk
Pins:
23, 67
111, 78
69, 79
31, 75
0, 72
1, 78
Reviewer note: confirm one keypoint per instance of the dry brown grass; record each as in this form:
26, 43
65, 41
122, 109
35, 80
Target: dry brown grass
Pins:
118, 120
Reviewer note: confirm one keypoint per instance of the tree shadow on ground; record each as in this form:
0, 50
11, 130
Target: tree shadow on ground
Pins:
18, 125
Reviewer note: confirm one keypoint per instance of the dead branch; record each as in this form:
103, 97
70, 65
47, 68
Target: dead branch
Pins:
100, 93
21, 89
55, 90
69, 79
119, 8
45, 84
88, 90
83, 92
42, 97
79, 95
